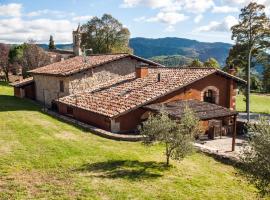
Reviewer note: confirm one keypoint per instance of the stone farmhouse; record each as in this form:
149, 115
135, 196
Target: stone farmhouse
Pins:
75, 73
117, 92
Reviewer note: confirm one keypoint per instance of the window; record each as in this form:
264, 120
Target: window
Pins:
209, 96
61, 86
70, 110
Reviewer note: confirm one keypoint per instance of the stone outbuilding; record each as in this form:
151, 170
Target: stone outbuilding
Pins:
80, 73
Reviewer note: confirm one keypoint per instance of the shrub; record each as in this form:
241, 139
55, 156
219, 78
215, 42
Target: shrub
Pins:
177, 136
256, 155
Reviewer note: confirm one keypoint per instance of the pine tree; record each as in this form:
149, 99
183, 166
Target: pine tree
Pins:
252, 31
51, 43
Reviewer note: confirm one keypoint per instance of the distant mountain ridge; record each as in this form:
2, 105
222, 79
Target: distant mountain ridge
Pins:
169, 46
172, 46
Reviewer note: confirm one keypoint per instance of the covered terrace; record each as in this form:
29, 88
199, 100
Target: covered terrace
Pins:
204, 111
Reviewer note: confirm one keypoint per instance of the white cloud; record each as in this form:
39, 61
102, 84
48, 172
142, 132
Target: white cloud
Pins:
171, 18
17, 30
242, 3
149, 3
83, 18
224, 9
215, 26
170, 29
18, 27
198, 18
197, 6
50, 13
194, 6
12, 9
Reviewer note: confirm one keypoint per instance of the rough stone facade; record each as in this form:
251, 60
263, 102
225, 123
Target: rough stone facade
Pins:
48, 87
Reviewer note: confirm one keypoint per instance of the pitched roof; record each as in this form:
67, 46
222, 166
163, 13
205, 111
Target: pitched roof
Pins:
203, 110
130, 93
23, 82
78, 64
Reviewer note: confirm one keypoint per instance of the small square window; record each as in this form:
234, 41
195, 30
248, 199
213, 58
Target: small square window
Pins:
70, 110
61, 86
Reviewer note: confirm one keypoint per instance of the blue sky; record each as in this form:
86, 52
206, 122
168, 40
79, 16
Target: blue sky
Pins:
203, 20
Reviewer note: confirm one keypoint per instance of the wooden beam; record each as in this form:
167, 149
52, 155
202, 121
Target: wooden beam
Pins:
234, 133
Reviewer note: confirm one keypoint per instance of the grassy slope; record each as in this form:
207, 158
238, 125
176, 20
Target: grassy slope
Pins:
258, 103
41, 157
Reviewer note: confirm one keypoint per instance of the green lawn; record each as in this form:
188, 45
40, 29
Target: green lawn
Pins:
43, 158
258, 103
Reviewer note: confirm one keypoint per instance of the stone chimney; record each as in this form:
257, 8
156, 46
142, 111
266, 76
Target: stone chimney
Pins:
232, 70
141, 71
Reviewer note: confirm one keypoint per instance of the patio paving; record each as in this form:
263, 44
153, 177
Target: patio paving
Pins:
222, 146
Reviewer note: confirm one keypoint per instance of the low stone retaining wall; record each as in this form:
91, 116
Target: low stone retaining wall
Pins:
97, 131
221, 156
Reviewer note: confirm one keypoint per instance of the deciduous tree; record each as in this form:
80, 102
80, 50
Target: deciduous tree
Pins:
33, 57
196, 63
105, 35
252, 33
4, 60
177, 136
212, 62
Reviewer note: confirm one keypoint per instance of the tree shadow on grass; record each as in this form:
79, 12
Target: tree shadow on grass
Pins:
126, 169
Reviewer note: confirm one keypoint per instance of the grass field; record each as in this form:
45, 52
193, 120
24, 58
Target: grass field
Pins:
43, 158
258, 103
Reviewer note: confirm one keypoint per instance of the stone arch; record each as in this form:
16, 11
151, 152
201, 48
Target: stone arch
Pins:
215, 91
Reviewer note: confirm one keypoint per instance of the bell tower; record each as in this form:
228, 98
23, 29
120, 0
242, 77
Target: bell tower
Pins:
77, 41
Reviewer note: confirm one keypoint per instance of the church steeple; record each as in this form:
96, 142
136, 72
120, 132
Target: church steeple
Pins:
77, 41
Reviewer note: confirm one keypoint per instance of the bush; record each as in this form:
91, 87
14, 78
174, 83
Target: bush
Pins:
256, 155
177, 136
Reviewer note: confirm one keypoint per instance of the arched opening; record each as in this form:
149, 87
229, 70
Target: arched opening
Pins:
210, 95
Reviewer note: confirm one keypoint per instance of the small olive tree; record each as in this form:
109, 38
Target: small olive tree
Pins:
176, 135
256, 155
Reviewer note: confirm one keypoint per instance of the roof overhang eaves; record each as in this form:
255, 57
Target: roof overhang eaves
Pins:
88, 110
162, 95
232, 113
87, 68
235, 78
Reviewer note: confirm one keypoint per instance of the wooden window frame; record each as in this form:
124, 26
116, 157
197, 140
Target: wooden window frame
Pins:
62, 86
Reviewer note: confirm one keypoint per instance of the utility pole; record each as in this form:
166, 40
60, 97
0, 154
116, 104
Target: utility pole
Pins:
248, 84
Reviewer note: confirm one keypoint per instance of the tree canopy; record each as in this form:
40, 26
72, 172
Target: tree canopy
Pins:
256, 155
51, 43
211, 62
105, 35
196, 63
176, 135
4, 59
253, 28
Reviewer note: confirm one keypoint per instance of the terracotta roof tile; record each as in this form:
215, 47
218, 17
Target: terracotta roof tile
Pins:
79, 63
130, 92
203, 110
76, 64
23, 82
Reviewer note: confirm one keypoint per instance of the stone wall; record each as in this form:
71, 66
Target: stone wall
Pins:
87, 79
48, 87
